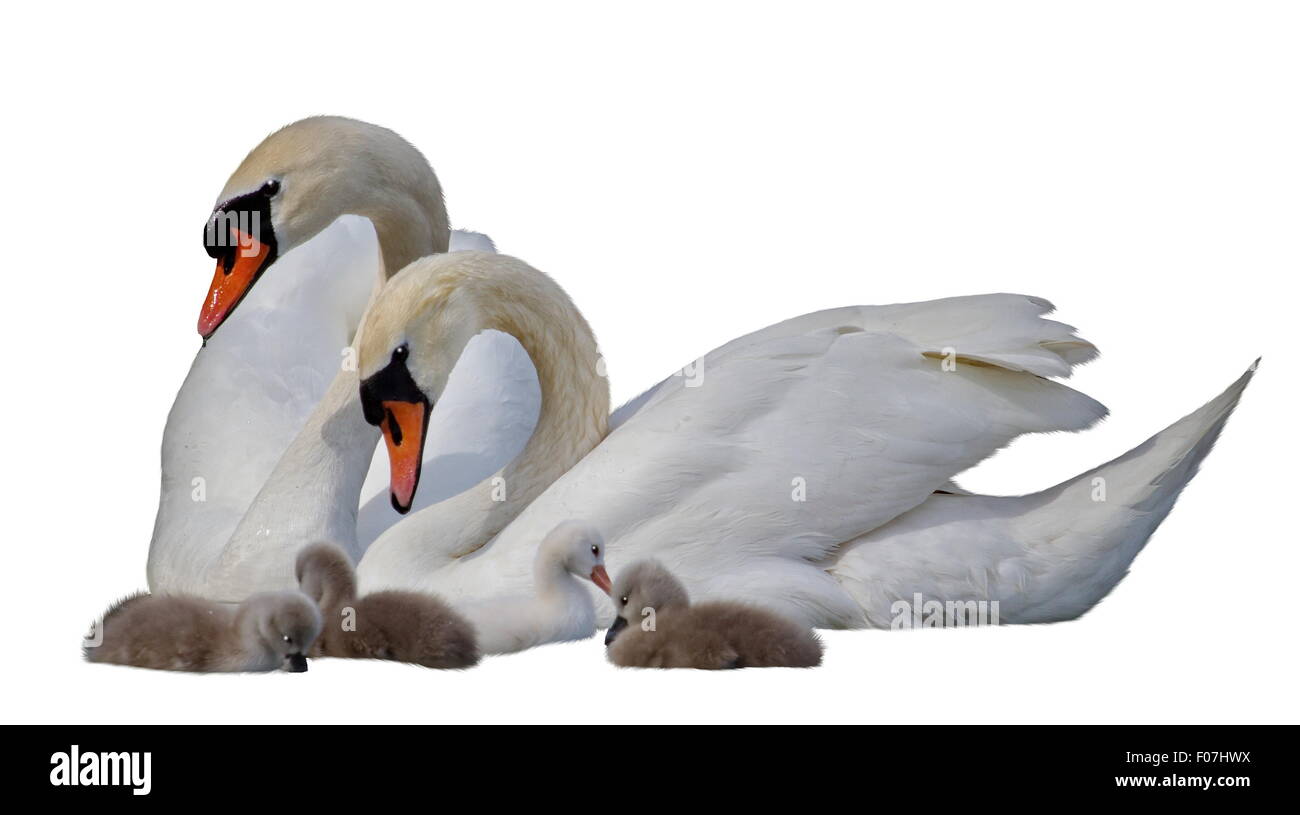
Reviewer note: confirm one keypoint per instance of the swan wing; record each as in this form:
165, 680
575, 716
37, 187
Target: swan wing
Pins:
462, 240
771, 451
1032, 344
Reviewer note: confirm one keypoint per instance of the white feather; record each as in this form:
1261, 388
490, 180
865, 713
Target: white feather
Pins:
1044, 557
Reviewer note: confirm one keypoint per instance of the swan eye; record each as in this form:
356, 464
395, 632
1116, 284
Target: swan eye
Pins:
401, 352
288, 639
270, 188
623, 600
595, 550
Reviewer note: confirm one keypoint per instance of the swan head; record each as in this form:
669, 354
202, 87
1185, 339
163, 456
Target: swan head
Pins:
411, 338
578, 548
283, 623
644, 585
298, 181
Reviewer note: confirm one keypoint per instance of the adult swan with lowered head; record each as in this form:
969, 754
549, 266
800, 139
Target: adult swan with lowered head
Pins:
874, 408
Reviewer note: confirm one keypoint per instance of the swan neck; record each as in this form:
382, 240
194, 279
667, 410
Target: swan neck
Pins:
336, 592
550, 577
312, 494
407, 232
574, 412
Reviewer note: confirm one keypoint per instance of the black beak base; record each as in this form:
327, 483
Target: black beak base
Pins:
612, 634
296, 664
392, 383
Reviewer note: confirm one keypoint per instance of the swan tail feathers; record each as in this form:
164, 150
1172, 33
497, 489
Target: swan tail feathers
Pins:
1046, 557
1085, 533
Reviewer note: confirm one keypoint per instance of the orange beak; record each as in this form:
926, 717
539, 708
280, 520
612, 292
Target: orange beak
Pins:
403, 426
601, 578
230, 285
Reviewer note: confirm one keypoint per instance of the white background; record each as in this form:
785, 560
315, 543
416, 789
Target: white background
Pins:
690, 173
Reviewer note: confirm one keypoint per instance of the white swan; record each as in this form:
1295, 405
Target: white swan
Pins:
797, 467
303, 233
556, 607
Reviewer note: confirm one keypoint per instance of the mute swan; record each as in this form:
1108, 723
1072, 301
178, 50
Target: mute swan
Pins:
801, 471
398, 625
183, 633
265, 432
557, 608
657, 627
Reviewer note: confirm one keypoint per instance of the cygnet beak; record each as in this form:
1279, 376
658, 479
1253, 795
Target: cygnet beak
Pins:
601, 578
295, 664
612, 633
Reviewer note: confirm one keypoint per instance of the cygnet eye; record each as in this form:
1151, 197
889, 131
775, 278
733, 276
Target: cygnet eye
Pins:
401, 352
270, 188
623, 600
595, 550
288, 639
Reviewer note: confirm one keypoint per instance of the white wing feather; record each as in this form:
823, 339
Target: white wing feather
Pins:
1044, 557
845, 404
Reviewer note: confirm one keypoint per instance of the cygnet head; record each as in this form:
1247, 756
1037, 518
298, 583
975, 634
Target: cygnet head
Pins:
644, 585
284, 623
579, 549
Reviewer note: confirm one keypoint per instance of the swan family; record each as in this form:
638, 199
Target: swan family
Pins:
807, 470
